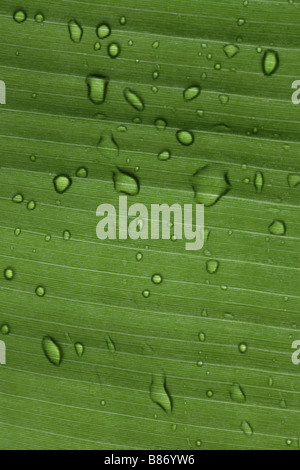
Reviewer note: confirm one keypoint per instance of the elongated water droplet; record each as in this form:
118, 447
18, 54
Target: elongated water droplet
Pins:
159, 393
62, 183
259, 181
231, 50
52, 351
237, 394
212, 266
108, 146
210, 183
5, 329
97, 88
270, 62
185, 137
103, 31
277, 227
114, 50
125, 183
191, 93
9, 274
20, 16
293, 180
246, 428
79, 348
75, 31
133, 99
110, 344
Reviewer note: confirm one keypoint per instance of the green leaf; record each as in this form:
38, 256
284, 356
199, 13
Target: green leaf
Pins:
141, 344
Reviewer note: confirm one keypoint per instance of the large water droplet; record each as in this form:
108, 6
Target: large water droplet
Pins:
277, 227
75, 31
97, 88
237, 394
191, 93
270, 62
246, 428
107, 145
210, 183
125, 183
159, 393
52, 351
185, 137
133, 98
20, 16
62, 183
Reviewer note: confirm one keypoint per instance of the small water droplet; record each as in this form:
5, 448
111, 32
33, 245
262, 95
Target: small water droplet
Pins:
18, 198
212, 266
20, 16
75, 31
185, 138
223, 99
110, 344
209, 393
66, 235
277, 227
243, 348
259, 181
102, 402
160, 124
191, 93
159, 393
198, 443
270, 62
241, 21
237, 394
31, 205
62, 183
156, 44
17, 231
114, 50
164, 155
39, 18
81, 172
139, 256
133, 99
231, 50
97, 88
40, 291
125, 183
52, 351
157, 279
123, 20
293, 180
103, 31
146, 293
246, 428
9, 274
5, 329
202, 337
97, 46
48, 238
79, 348
210, 183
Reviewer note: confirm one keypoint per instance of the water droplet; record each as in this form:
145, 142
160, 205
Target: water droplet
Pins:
243, 348
159, 393
157, 279
191, 93
81, 172
259, 181
102, 402
277, 227
199, 363
289, 442
97, 88
223, 99
293, 180
9, 274
212, 266
103, 31
18, 198
185, 137
5, 329
237, 394
123, 20
202, 337
62, 183
39, 18
67, 235
107, 145
17, 231
75, 31
133, 99
52, 351
125, 183
198, 443
209, 393
40, 291
270, 62
110, 344
79, 348
246, 428
241, 21
231, 50
20, 16
97, 46
210, 183
160, 124
164, 155
31, 205
156, 44
48, 238
114, 50
139, 256
146, 293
